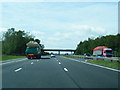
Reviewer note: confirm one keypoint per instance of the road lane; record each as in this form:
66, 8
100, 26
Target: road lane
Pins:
57, 72
11, 66
88, 76
45, 73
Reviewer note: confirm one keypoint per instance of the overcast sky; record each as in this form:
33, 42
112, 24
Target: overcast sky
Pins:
61, 24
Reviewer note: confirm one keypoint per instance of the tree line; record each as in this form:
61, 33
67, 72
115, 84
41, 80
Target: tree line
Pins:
87, 46
14, 42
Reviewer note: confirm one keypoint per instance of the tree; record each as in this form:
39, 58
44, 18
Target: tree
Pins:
14, 42
111, 41
37, 40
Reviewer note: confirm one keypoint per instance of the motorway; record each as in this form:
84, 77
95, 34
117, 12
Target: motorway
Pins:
58, 72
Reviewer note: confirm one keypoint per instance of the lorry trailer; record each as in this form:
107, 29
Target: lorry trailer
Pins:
102, 51
33, 50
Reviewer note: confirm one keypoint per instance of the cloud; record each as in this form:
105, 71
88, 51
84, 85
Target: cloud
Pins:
37, 32
59, 0
87, 29
62, 25
73, 36
3, 29
60, 36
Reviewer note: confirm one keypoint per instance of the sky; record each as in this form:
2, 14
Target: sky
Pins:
61, 25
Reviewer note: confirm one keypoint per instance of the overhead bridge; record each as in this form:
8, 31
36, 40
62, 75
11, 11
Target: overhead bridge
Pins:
60, 50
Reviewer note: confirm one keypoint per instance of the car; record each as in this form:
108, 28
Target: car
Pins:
66, 53
52, 55
86, 54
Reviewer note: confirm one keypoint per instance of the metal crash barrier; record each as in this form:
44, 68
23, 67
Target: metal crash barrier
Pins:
112, 59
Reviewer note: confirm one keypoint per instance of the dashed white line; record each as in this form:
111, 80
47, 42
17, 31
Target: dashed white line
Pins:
18, 69
66, 69
56, 59
59, 63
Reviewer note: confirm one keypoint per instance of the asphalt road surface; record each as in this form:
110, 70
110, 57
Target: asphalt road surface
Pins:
58, 72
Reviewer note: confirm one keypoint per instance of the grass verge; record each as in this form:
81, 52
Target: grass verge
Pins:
7, 57
115, 65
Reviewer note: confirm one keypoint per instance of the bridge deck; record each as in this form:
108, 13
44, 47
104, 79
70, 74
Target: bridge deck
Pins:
58, 50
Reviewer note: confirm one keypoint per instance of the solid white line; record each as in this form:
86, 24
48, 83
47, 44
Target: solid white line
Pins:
101, 66
66, 69
94, 65
14, 59
59, 63
18, 69
12, 62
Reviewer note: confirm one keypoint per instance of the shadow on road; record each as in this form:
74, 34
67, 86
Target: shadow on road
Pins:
44, 58
40, 58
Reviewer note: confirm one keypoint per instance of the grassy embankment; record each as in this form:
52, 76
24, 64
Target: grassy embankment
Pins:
7, 57
115, 65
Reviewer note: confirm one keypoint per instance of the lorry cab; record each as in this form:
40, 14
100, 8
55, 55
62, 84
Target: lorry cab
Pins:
33, 52
107, 52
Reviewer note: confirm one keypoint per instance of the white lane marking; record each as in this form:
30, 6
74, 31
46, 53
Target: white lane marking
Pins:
18, 69
31, 62
59, 63
85, 60
102, 66
56, 59
66, 69
95, 65
12, 61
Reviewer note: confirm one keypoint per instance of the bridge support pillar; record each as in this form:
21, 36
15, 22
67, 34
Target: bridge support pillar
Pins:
58, 52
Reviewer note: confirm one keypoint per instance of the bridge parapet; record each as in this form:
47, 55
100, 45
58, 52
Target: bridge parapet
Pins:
59, 50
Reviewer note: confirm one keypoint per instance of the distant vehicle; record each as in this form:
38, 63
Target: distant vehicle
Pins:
102, 51
52, 55
33, 50
66, 53
86, 54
